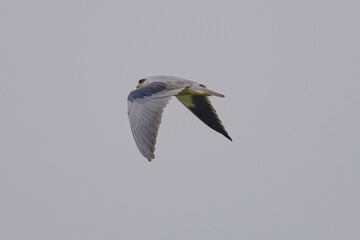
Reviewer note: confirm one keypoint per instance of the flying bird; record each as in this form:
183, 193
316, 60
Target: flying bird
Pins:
152, 94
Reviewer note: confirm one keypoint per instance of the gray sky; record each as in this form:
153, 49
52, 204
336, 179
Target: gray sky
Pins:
70, 168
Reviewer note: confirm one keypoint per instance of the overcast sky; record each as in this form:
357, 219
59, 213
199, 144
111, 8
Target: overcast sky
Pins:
69, 166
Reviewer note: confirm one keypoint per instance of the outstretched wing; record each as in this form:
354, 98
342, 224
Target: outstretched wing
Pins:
201, 107
145, 107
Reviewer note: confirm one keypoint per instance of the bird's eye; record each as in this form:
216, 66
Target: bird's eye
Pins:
141, 80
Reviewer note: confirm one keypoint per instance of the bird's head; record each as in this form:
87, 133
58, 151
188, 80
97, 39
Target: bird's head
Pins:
143, 83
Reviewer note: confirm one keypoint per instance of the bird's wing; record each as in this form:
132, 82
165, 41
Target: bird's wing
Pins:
145, 107
201, 107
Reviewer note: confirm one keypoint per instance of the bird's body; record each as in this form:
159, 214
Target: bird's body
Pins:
146, 104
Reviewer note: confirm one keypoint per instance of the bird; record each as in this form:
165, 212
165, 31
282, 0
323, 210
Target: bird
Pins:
152, 94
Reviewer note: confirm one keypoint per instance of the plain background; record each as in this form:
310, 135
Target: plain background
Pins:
70, 168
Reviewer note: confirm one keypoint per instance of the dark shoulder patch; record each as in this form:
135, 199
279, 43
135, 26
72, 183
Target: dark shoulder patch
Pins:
147, 91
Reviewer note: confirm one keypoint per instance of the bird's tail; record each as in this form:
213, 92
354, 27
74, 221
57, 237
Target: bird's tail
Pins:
209, 92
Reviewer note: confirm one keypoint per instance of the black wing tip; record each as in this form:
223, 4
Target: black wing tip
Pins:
228, 137
206, 113
224, 133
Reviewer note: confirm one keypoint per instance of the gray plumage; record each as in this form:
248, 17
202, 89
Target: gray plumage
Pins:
146, 104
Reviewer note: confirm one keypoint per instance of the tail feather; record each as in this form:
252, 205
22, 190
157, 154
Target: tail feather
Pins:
209, 92
212, 93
